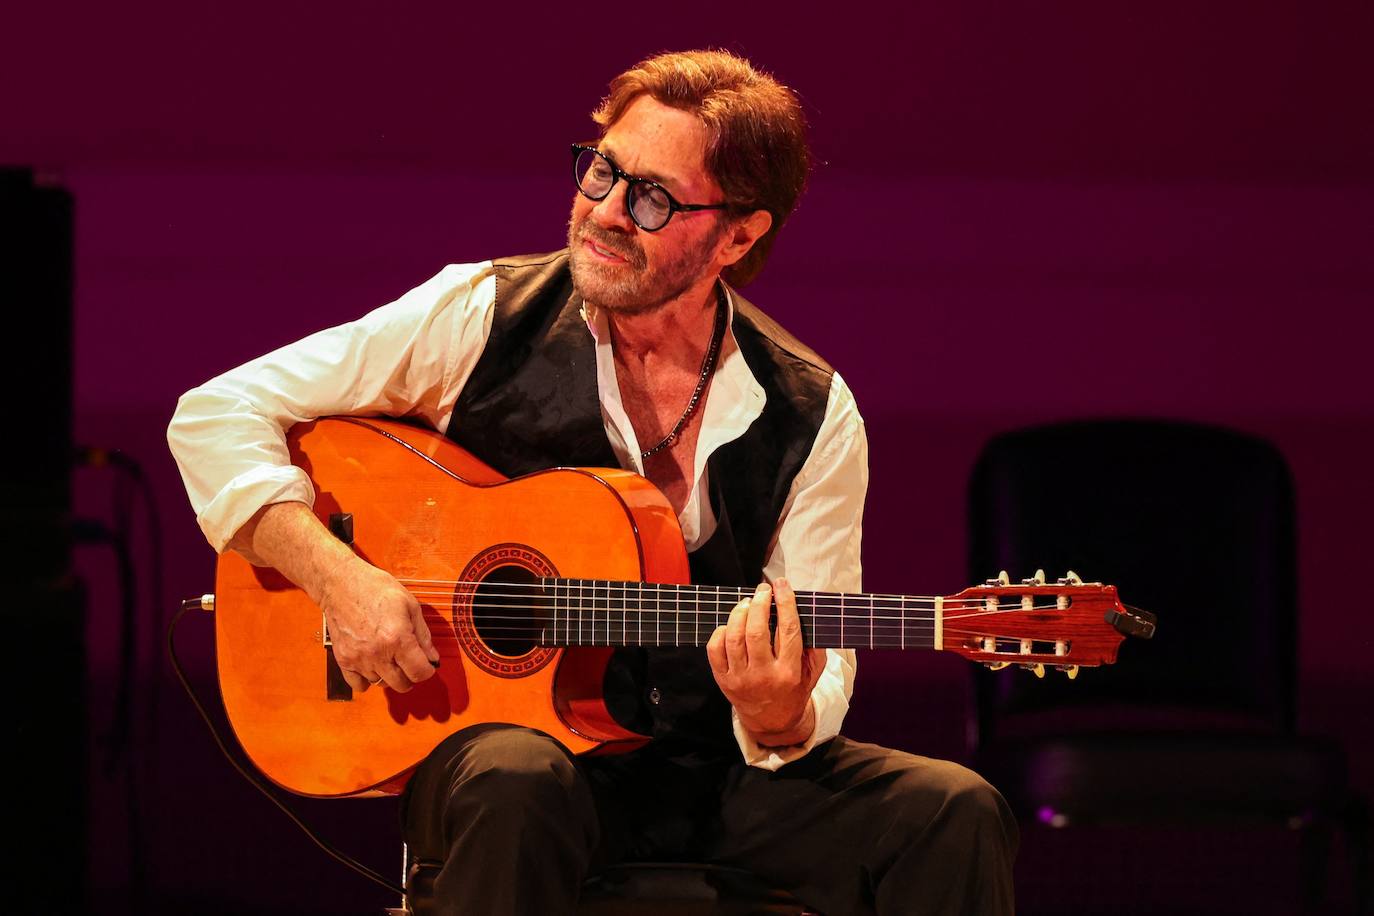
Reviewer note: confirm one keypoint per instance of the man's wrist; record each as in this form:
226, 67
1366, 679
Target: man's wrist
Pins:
796, 734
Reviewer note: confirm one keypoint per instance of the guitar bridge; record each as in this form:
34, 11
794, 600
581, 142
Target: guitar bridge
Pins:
335, 685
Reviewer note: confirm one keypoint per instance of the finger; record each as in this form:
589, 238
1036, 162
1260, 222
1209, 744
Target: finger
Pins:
355, 680
757, 637
735, 651
394, 677
816, 660
413, 662
422, 634
788, 639
715, 653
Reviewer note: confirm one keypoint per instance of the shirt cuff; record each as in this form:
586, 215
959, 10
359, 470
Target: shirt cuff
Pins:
240, 500
831, 704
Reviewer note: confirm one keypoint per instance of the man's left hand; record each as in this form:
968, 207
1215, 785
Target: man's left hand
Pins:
768, 677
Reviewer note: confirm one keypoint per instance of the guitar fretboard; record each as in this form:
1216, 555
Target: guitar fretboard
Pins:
600, 612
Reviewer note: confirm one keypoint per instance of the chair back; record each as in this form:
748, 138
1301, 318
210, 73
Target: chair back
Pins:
1191, 522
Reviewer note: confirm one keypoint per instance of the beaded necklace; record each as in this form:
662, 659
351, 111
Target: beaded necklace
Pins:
708, 366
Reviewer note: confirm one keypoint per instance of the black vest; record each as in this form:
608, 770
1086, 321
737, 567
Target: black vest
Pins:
531, 403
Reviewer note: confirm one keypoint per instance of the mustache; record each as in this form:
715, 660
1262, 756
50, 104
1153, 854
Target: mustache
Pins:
620, 245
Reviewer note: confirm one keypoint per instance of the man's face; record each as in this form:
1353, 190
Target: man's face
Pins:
615, 264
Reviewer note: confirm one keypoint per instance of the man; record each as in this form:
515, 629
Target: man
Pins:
628, 349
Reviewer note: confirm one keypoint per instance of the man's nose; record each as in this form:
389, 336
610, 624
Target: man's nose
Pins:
611, 211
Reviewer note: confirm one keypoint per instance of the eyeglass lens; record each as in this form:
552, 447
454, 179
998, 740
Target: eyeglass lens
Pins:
648, 203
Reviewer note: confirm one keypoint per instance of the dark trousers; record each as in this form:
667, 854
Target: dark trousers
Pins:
517, 824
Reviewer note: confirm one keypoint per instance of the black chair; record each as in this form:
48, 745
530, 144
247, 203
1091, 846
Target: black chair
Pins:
1195, 727
661, 888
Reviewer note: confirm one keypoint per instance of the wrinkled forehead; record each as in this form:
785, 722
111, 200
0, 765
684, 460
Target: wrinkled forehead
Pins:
662, 143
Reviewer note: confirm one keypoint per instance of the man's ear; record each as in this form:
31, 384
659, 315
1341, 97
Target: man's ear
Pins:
742, 236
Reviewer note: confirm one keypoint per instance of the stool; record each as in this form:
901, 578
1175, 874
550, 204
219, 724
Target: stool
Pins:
665, 888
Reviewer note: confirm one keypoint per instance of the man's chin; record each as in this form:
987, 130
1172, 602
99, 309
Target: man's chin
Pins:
605, 285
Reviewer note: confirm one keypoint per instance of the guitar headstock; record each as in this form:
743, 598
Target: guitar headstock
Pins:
1064, 624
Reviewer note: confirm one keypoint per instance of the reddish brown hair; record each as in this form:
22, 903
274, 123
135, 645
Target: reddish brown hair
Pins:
756, 148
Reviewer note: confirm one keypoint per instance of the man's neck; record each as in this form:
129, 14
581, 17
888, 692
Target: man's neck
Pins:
679, 330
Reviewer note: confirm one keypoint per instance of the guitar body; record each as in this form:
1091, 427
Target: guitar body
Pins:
425, 510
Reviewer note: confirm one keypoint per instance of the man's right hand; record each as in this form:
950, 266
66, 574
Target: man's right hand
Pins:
377, 628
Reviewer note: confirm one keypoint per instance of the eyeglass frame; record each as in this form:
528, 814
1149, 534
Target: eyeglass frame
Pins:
617, 173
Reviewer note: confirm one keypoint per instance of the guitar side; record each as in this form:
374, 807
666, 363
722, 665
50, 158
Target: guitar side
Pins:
428, 512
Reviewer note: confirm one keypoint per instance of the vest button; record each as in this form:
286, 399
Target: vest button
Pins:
654, 696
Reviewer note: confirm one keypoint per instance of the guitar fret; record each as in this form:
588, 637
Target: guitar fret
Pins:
696, 623
574, 608
604, 607
598, 612
719, 607
624, 596
543, 631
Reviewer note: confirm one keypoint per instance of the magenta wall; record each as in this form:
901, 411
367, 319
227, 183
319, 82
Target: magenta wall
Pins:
1020, 216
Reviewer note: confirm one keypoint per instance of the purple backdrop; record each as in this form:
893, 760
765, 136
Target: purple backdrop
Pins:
1020, 215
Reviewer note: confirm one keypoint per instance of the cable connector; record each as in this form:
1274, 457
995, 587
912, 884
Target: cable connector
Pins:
203, 603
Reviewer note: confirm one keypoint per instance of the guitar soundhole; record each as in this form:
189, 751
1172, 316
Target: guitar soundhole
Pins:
509, 610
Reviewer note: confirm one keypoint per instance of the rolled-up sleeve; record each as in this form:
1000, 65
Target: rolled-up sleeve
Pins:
410, 357
816, 548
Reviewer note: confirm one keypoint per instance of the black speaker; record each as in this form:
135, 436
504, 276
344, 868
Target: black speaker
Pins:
44, 654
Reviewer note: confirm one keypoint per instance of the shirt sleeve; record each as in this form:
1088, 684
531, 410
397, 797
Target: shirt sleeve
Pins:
816, 547
410, 357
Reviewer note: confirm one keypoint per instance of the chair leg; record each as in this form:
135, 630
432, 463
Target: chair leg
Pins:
404, 908
1314, 865
1361, 857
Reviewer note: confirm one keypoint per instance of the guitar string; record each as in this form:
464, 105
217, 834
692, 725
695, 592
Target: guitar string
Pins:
660, 591
588, 617
732, 596
535, 635
665, 587
811, 612
859, 619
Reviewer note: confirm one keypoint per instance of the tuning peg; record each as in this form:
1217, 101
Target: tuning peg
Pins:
996, 666
1002, 579
1073, 578
1070, 670
1037, 669
1037, 579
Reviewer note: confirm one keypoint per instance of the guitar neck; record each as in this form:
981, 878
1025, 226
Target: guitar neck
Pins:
599, 612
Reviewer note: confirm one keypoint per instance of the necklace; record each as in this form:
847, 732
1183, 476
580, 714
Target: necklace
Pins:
708, 366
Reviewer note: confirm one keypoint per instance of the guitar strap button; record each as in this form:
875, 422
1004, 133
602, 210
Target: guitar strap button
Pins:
654, 696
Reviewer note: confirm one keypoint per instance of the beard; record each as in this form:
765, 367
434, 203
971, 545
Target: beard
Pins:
633, 287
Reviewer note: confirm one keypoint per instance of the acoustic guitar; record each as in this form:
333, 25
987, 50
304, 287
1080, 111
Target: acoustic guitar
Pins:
528, 585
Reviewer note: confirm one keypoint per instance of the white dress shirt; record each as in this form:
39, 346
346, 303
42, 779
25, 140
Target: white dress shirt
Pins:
412, 358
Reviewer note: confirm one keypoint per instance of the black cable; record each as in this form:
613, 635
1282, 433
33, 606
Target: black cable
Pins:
253, 778
120, 737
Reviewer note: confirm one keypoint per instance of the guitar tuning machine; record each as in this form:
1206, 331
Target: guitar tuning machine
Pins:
1071, 579
1037, 669
996, 666
1002, 579
1071, 671
1037, 579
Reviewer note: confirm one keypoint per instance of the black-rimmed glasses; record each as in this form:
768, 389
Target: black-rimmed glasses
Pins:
648, 202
